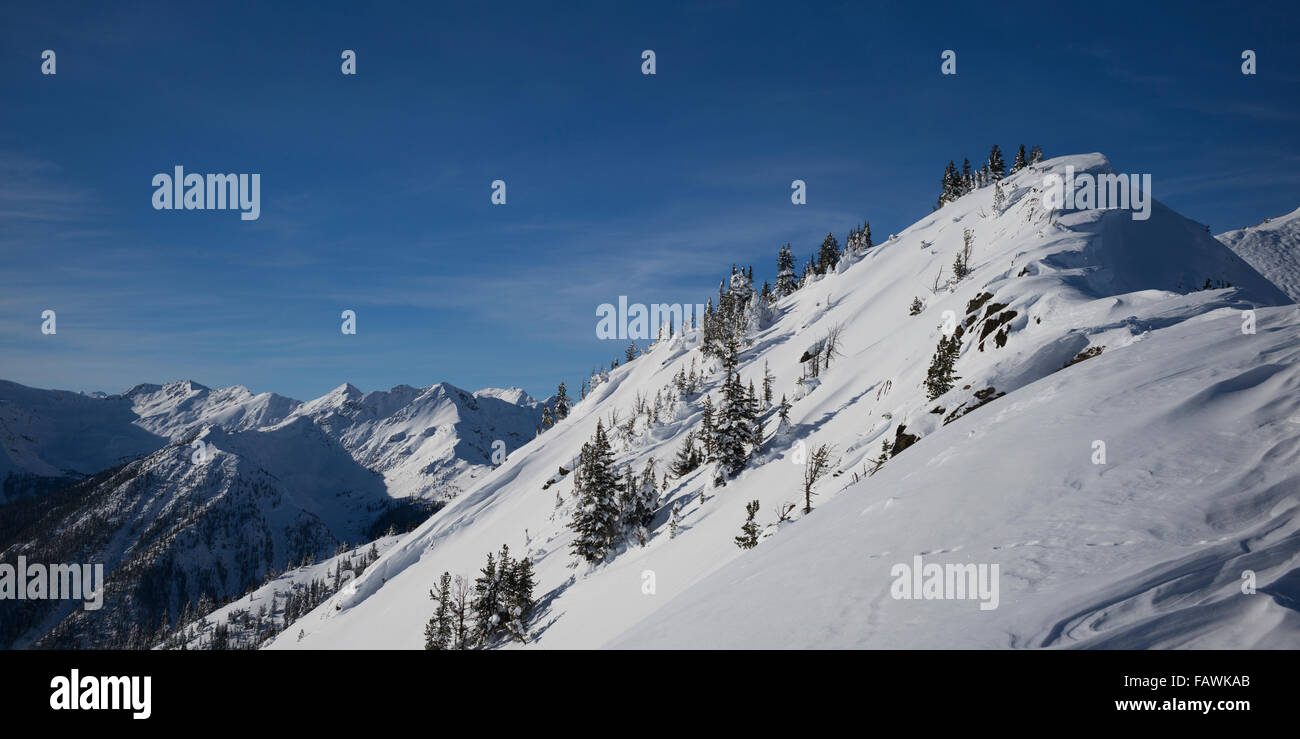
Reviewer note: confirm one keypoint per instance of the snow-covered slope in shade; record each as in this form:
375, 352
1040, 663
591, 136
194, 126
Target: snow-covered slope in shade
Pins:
1047, 289
169, 528
427, 442
1272, 248
287, 480
61, 434
56, 433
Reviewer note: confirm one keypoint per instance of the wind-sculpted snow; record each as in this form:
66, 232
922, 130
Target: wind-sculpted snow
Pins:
1075, 328
1273, 248
1201, 484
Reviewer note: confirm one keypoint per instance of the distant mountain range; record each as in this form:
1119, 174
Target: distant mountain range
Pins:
184, 491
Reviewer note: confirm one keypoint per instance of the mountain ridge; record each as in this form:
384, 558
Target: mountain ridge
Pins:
1048, 290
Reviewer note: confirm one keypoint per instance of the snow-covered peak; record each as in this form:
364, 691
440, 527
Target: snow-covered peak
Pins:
428, 442
514, 395
175, 409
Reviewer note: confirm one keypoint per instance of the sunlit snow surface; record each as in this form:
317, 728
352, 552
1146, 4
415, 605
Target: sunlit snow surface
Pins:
1200, 422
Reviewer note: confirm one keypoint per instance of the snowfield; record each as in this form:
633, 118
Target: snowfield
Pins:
1077, 328
1273, 248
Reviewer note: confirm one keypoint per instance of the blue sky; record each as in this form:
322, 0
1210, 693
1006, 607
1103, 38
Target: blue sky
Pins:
376, 190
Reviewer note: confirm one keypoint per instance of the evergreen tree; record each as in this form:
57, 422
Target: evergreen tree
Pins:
1019, 162
733, 430
525, 582
785, 277
631, 351
438, 632
997, 168
1035, 154
561, 403
642, 502
522, 603
967, 177
783, 410
753, 416
767, 385
675, 520
486, 605
961, 265
951, 185
505, 581
916, 307
547, 420
940, 377
829, 255
688, 457
596, 517
709, 431
748, 538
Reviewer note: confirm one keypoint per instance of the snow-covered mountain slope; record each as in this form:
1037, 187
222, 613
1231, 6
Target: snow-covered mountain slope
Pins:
513, 395
174, 526
427, 442
1198, 450
59, 434
176, 409
1201, 484
1272, 248
56, 433
245, 622
285, 481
